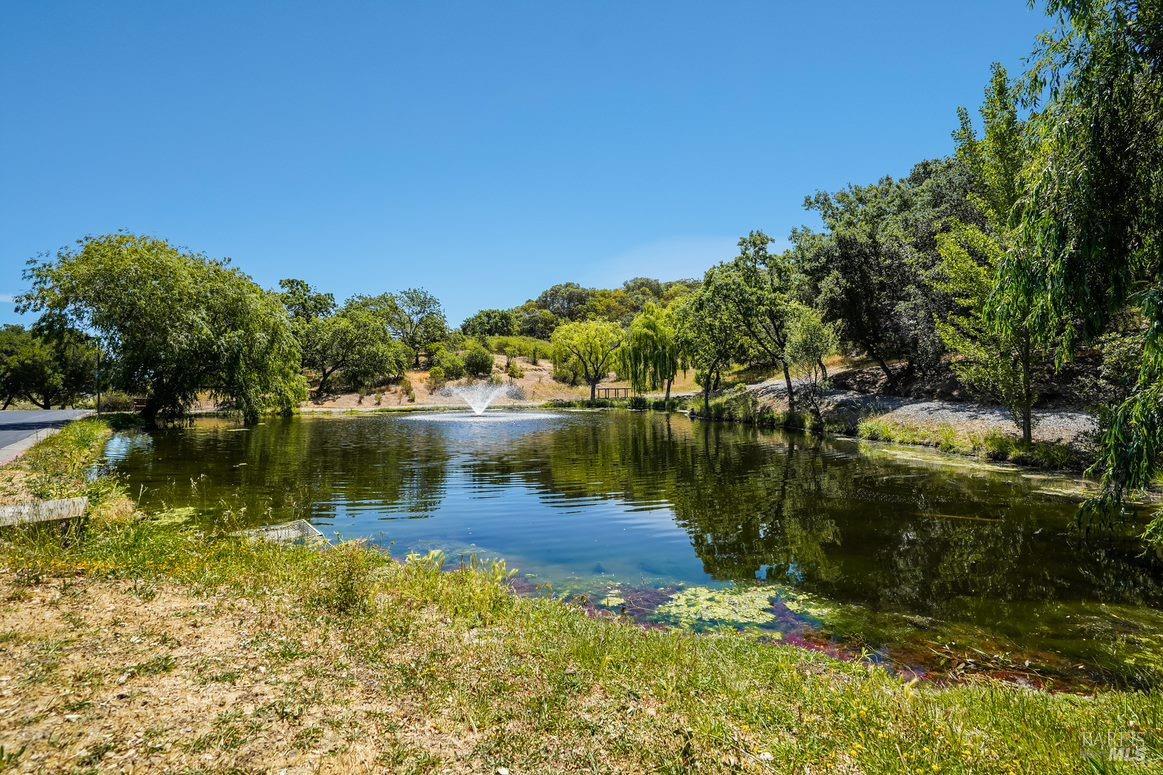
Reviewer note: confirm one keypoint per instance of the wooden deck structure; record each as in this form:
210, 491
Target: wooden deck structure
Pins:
612, 392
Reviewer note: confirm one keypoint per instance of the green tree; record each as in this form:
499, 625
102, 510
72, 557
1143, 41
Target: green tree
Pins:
1093, 221
535, 321
997, 357
617, 306
871, 270
650, 355
810, 341
419, 322
490, 322
756, 287
450, 364
708, 337
355, 342
304, 304
567, 301
178, 323
478, 361
590, 346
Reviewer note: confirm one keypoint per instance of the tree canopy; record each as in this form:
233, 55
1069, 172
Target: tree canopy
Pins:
357, 342
179, 322
490, 322
1092, 217
590, 346
650, 355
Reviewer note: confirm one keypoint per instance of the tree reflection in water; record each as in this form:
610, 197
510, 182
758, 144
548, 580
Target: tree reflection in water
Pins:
653, 499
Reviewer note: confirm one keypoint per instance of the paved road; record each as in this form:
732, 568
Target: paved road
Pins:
20, 429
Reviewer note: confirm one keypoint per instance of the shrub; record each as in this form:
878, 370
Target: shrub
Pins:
639, 403
997, 446
436, 379
515, 371
116, 401
478, 362
409, 391
450, 364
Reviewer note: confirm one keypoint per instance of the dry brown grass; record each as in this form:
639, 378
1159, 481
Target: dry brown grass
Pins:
125, 676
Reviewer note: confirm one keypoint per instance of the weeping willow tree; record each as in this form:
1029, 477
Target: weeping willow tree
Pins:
1093, 217
650, 354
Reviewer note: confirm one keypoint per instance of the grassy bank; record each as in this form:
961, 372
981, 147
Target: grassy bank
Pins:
59, 467
994, 445
152, 643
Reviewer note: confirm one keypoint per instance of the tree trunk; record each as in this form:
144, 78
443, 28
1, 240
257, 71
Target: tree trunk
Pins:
791, 396
1027, 393
823, 371
707, 398
666, 400
880, 362
324, 378
593, 392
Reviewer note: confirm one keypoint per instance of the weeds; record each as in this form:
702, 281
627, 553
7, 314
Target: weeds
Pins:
344, 581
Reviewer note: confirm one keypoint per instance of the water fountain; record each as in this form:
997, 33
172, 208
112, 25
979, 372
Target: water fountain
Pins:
479, 395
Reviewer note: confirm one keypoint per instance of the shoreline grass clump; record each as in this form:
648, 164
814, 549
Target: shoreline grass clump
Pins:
992, 445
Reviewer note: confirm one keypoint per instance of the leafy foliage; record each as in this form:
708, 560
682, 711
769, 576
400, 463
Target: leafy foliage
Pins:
810, 341
53, 364
756, 291
357, 342
998, 357
490, 322
708, 337
589, 347
179, 323
650, 357
1093, 218
478, 362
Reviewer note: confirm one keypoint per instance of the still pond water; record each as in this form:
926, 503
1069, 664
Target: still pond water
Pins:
931, 564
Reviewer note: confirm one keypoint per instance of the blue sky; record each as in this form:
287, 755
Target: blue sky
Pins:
482, 150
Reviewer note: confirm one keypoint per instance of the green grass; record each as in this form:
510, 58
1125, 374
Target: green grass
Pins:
993, 445
59, 466
669, 701
744, 406
537, 685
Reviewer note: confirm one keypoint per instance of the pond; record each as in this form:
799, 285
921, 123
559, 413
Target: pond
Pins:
931, 564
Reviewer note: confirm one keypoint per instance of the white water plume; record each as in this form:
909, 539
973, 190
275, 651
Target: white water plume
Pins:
479, 395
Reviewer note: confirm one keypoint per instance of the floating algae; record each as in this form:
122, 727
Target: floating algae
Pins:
702, 607
769, 607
